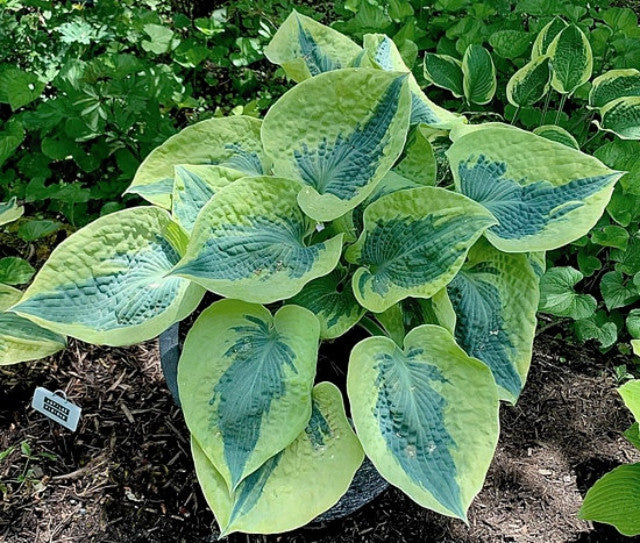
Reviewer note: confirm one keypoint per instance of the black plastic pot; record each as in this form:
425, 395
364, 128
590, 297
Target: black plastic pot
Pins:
367, 483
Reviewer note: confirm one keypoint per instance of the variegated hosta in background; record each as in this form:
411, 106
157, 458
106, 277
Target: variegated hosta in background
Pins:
327, 215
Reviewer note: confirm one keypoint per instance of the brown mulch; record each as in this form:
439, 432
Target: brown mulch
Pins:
126, 475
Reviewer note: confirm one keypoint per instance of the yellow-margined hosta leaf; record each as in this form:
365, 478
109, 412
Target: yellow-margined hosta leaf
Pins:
108, 283
554, 132
383, 53
544, 194
479, 83
249, 242
298, 483
546, 36
530, 83
495, 297
571, 60
418, 162
432, 229
427, 416
445, 72
305, 48
612, 85
622, 117
232, 142
245, 381
336, 139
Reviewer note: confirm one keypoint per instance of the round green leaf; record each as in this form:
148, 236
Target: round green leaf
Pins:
479, 83
427, 417
558, 296
233, 142
495, 297
571, 59
543, 193
108, 283
557, 133
530, 83
612, 85
245, 381
622, 118
336, 139
249, 243
295, 485
432, 229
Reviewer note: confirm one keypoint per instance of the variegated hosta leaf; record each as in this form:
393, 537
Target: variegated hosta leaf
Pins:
305, 48
8, 296
544, 194
530, 83
10, 211
572, 59
479, 83
622, 117
245, 381
556, 133
22, 340
194, 186
436, 310
108, 283
612, 85
418, 162
233, 142
427, 417
249, 243
495, 297
338, 140
538, 262
295, 485
546, 36
432, 229
331, 300
444, 71
384, 53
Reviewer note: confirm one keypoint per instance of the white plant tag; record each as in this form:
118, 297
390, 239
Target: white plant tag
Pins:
56, 406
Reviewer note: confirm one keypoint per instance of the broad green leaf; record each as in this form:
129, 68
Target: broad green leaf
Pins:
495, 297
597, 327
557, 133
10, 211
295, 485
384, 53
612, 85
34, 230
546, 36
249, 243
232, 142
530, 83
588, 264
622, 118
21, 340
632, 435
427, 416
17, 87
348, 141
479, 83
618, 291
571, 58
445, 72
543, 193
630, 393
558, 296
245, 381
160, 40
432, 229
305, 48
510, 43
331, 300
620, 19
8, 296
15, 270
615, 499
418, 162
610, 236
633, 322
108, 283
11, 137
194, 186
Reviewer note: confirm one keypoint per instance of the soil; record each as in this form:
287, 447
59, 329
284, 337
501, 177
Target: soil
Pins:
126, 474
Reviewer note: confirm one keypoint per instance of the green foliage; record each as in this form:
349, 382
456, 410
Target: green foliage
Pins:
329, 213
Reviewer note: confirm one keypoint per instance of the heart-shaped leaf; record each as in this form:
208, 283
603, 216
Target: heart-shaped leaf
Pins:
348, 141
107, 283
543, 193
249, 243
432, 229
427, 416
558, 296
296, 484
245, 381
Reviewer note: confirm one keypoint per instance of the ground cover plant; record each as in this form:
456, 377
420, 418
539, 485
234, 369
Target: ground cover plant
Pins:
328, 213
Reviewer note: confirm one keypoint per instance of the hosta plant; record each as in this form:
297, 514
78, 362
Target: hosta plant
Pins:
323, 216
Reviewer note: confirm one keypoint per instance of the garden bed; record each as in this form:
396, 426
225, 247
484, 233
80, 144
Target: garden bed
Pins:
127, 476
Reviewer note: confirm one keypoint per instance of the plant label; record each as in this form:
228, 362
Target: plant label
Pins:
56, 406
